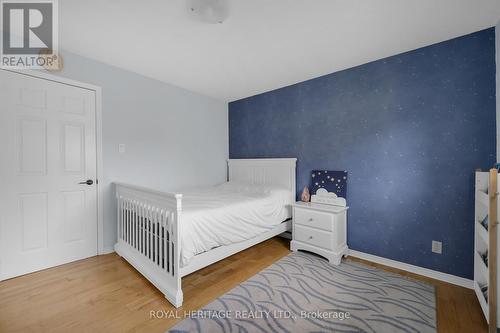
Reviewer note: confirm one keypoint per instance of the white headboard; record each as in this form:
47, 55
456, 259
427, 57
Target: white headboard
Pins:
265, 171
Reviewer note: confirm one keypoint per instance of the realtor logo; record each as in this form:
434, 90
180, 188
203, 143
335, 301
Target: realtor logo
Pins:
29, 33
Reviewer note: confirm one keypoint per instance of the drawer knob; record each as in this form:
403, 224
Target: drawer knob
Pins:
310, 237
310, 219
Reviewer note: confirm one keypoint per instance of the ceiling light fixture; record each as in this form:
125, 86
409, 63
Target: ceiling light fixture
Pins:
209, 11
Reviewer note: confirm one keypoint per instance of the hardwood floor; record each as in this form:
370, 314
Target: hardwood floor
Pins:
105, 294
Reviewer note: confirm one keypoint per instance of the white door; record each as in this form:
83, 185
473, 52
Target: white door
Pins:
47, 148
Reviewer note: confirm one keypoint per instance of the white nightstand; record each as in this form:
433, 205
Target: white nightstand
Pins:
321, 229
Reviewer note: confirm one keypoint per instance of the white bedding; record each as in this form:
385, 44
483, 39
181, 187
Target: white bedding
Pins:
227, 214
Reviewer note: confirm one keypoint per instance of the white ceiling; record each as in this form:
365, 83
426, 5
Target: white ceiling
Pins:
263, 44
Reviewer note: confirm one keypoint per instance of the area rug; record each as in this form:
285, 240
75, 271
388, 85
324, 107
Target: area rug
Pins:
304, 293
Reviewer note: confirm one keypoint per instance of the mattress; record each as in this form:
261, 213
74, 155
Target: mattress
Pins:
229, 213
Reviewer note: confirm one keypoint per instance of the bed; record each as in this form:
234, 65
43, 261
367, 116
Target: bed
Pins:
166, 236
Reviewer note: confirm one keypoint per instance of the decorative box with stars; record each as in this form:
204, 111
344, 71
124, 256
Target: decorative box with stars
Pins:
331, 181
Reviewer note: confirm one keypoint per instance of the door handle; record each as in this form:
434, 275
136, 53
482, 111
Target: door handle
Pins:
87, 182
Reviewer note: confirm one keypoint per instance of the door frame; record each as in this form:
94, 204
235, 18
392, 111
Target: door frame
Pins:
99, 153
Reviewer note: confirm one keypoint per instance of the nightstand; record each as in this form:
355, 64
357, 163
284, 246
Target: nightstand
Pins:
321, 229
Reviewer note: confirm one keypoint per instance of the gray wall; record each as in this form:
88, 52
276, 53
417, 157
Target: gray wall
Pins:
174, 138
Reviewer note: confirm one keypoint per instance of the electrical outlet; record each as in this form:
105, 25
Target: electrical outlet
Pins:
121, 148
437, 247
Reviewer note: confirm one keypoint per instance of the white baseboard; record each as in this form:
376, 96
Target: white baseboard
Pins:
107, 250
453, 279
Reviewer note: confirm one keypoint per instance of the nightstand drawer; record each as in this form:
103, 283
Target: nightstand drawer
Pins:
314, 219
313, 237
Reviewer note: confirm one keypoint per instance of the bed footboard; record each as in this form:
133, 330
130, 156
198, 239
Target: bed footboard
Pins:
148, 236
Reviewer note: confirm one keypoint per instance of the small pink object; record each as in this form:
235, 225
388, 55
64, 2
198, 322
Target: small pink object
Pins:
306, 196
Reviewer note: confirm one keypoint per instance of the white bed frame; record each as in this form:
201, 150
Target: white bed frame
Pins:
149, 224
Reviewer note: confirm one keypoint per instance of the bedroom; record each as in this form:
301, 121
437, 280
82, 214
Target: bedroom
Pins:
216, 165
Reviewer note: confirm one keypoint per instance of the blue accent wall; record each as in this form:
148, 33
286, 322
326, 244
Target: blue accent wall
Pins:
410, 130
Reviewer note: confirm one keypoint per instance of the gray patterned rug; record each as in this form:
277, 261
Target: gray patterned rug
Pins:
304, 293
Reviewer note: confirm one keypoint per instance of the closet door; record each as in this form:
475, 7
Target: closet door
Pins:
48, 212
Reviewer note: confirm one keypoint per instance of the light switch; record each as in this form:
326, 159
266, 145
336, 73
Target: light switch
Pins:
121, 148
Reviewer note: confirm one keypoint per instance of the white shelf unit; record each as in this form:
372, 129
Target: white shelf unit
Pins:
486, 239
